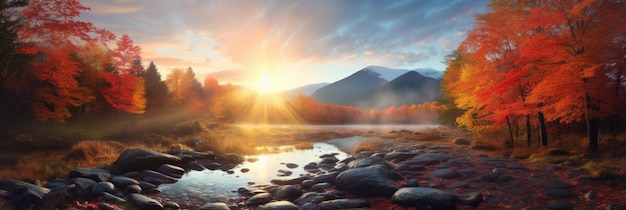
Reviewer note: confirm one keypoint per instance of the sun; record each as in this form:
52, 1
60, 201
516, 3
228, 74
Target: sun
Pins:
265, 84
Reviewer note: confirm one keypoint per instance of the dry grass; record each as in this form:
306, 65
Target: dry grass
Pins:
303, 145
373, 145
95, 151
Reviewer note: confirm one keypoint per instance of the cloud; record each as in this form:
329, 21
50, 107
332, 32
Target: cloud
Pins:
251, 35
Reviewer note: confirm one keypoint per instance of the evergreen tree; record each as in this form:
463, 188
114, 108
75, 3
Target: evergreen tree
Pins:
156, 90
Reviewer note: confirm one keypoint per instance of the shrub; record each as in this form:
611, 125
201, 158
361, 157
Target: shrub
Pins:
92, 150
372, 145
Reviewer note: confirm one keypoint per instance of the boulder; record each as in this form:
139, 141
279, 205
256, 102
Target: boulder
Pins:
171, 170
344, 204
122, 182
259, 199
215, 206
280, 205
368, 161
472, 199
82, 183
110, 198
292, 181
445, 173
143, 202
361, 181
308, 198
24, 195
96, 174
287, 192
147, 175
98, 189
320, 187
138, 159
327, 177
431, 158
424, 198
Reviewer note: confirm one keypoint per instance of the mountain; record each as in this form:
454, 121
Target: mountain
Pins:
350, 87
409, 88
390, 74
306, 90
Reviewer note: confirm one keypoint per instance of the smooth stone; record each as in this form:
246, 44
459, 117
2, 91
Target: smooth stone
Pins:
82, 183
171, 205
171, 170
292, 181
560, 205
368, 161
362, 181
424, 198
122, 181
470, 198
215, 206
98, 189
559, 193
139, 159
144, 202
491, 176
132, 189
150, 174
110, 198
96, 174
259, 199
309, 197
320, 187
291, 165
344, 204
327, 177
445, 173
287, 192
280, 205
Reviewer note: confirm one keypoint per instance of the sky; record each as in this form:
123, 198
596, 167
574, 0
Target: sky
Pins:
283, 44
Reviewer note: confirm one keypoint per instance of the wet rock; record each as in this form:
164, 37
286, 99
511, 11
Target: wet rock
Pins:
320, 187
210, 164
291, 165
424, 198
504, 178
361, 181
282, 172
155, 176
144, 202
327, 177
467, 171
491, 176
245, 192
293, 181
171, 205
146, 186
412, 183
23, 195
472, 199
230, 159
82, 183
431, 158
132, 189
138, 159
329, 160
399, 155
59, 195
110, 198
559, 193
455, 185
280, 205
445, 173
171, 170
307, 184
96, 174
214, 206
122, 181
309, 206
259, 199
344, 204
368, 161
309, 197
244, 170
287, 192
98, 189
132, 174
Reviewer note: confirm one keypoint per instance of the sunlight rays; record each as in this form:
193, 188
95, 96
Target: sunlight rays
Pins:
268, 109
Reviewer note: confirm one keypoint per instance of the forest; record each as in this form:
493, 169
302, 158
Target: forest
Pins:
541, 69
55, 67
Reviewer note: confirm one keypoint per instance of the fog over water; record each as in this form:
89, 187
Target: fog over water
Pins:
366, 127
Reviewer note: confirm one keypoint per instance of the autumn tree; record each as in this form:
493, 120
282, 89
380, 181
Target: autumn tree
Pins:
53, 33
155, 88
123, 84
96, 60
183, 86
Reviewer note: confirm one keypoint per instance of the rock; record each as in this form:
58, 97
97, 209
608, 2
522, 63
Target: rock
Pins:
245, 192
259, 199
280, 205
399, 155
591, 195
559, 193
412, 183
291, 165
361, 181
368, 161
431, 158
143, 202
122, 181
96, 174
307, 184
24, 195
215, 206
110, 198
424, 198
82, 183
287, 192
445, 173
320, 187
132, 189
171, 205
455, 185
210, 164
293, 181
344, 204
59, 195
472, 199
491, 176
98, 189
138, 159
156, 176
146, 186
171, 170
327, 177
230, 159
309, 206
245, 170
555, 184
106, 206
282, 172
309, 197
504, 178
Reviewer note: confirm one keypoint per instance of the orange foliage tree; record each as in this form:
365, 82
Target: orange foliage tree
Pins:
125, 92
53, 34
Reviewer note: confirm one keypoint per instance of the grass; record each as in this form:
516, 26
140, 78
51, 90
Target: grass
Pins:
373, 145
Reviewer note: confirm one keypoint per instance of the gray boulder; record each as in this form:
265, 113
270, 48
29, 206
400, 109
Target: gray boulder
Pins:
368, 161
138, 159
24, 195
96, 174
122, 181
280, 205
98, 189
171, 170
424, 198
362, 181
344, 204
156, 177
431, 158
287, 192
445, 173
259, 199
143, 202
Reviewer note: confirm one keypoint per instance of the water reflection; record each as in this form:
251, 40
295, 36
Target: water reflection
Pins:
202, 185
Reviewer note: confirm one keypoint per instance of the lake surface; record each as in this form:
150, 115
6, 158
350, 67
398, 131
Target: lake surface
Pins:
203, 185
364, 127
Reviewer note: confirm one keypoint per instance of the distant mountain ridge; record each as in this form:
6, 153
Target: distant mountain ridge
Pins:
306, 90
368, 88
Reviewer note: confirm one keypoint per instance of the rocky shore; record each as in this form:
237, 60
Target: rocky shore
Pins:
410, 175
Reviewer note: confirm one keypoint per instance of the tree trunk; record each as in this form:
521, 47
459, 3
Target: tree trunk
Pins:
508, 122
542, 129
592, 134
528, 129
